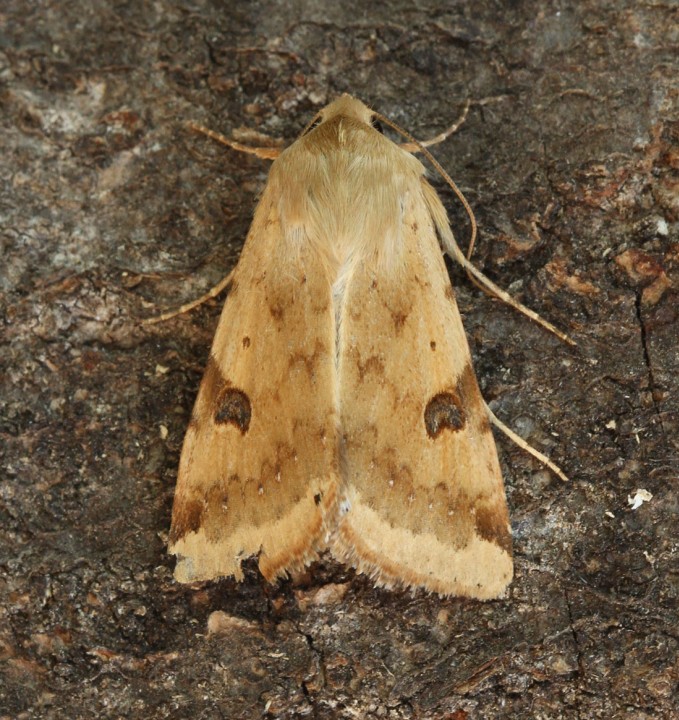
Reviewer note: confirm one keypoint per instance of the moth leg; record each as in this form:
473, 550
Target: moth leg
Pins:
490, 287
518, 440
446, 235
452, 249
415, 147
187, 307
266, 153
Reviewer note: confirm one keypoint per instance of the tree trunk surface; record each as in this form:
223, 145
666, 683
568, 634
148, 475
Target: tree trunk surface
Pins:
113, 210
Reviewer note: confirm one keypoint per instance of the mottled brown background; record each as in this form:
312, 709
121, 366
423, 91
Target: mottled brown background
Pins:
111, 210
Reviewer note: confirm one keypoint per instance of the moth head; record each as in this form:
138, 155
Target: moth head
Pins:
345, 106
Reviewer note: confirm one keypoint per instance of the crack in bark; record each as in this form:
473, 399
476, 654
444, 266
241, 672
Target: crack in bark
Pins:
212, 55
647, 361
320, 658
576, 642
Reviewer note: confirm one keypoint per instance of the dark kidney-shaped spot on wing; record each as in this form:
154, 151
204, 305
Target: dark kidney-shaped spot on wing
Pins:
443, 411
233, 406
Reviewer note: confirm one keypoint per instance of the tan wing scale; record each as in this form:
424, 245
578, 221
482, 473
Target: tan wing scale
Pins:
340, 397
259, 467
424, 503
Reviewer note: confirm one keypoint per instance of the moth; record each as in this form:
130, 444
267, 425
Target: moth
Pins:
339, 409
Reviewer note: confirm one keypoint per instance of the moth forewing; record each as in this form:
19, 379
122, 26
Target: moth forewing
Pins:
259, 467
424, 489
339, 406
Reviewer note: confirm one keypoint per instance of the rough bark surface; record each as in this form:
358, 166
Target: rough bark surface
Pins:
112, 210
